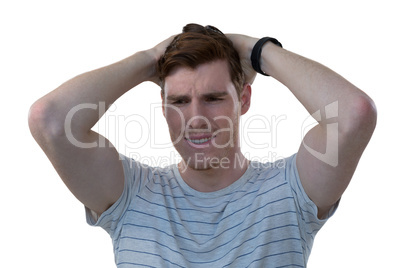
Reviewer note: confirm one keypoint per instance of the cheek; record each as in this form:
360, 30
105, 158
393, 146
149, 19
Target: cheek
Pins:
228, 116
174, 119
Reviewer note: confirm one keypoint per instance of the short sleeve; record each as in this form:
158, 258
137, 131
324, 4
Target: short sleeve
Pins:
110, 219
307, 209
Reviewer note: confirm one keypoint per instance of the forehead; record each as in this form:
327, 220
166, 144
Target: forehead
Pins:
213, 76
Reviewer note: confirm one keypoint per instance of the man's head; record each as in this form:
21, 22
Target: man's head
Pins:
203, 95
197, 45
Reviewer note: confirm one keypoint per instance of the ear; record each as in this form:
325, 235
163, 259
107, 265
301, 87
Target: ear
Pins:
245, 98
163, 103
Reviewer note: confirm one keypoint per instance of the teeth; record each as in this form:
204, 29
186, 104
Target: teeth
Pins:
200, 140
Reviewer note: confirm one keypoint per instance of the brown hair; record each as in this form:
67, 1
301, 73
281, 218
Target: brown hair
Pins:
197, 45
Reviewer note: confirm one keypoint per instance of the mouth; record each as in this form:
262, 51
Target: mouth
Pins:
199, 141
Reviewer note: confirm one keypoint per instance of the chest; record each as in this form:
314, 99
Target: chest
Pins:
180, 227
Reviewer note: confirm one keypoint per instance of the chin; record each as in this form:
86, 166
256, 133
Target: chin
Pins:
204, 160
200, 165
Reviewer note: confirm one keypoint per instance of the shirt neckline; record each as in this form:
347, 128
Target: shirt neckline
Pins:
222, 192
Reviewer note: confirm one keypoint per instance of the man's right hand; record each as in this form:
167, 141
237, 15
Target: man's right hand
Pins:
157, 52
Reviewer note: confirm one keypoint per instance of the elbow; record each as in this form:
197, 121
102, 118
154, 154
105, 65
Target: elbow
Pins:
35, 118
362, 116
41, 122
366, 111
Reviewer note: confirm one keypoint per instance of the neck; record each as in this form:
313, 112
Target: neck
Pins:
215, 177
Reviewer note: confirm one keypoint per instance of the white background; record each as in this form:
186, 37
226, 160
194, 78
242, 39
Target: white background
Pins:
44, 43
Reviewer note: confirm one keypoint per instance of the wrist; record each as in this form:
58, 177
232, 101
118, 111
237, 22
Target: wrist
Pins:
268, 58
256, 54
149, 60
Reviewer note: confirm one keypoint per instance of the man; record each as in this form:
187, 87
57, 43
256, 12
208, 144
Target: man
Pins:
215, 208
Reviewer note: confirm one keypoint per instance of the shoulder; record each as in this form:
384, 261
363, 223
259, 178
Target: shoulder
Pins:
271, 177
134, 169
282, 167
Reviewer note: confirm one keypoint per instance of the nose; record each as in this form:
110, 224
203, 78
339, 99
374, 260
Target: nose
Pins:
197, 116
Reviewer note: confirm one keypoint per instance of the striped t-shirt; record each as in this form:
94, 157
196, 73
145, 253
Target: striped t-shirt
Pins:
264, 219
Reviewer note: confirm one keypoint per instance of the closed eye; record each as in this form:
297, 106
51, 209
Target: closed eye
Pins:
215, 96
213, 99
178, 100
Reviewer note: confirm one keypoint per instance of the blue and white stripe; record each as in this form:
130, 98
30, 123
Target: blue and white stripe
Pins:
264, 219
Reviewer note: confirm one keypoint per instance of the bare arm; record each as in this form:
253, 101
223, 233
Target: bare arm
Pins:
85, 161
330, 152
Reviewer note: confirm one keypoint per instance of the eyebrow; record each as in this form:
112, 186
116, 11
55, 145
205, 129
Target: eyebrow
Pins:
218, 94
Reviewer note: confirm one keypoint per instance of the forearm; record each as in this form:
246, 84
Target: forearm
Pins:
92, 89
329, 153
313, 84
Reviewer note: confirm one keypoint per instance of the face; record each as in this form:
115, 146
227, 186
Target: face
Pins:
202, 111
